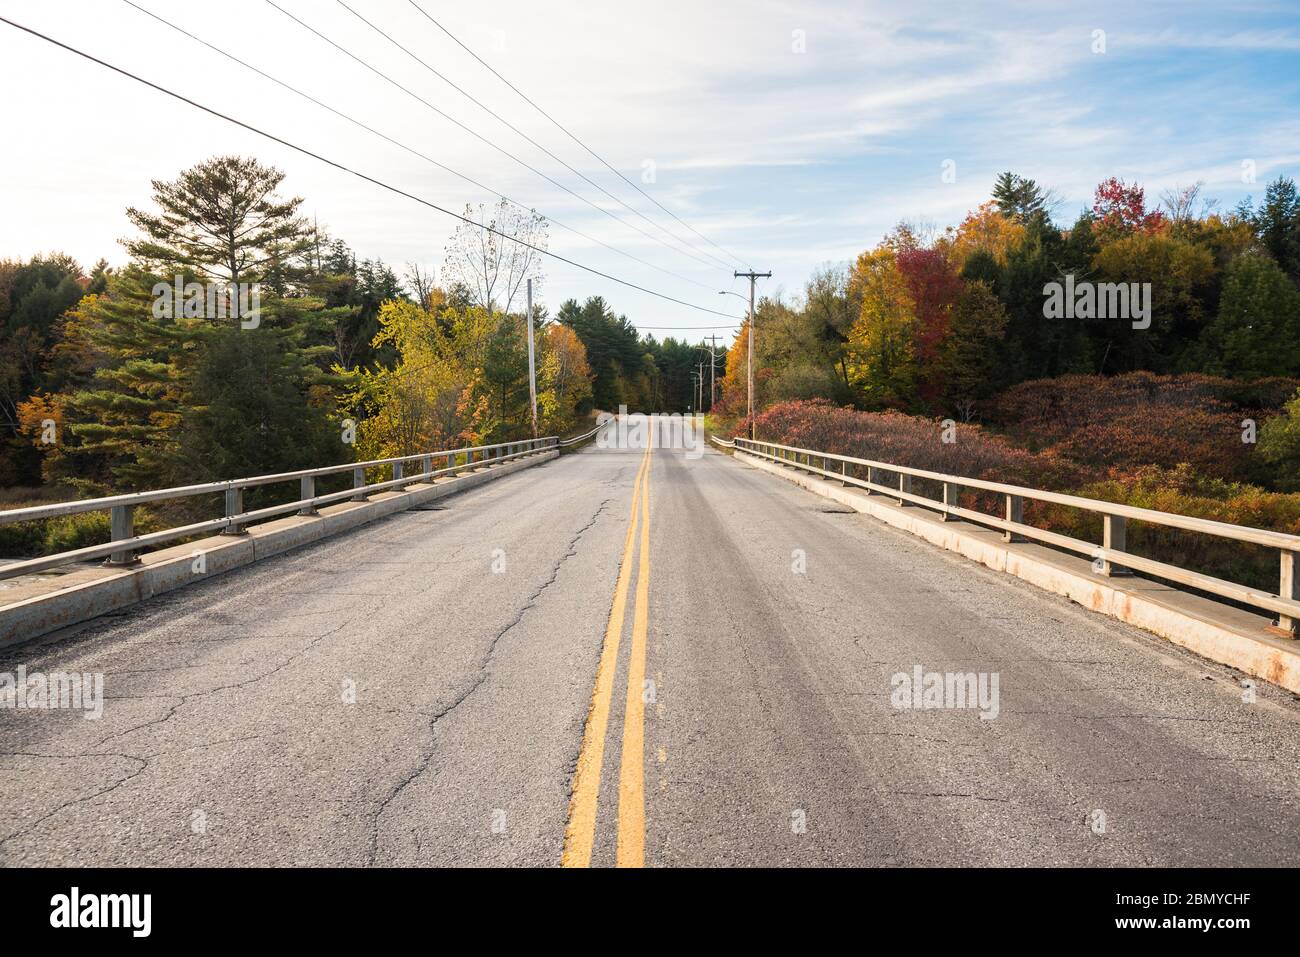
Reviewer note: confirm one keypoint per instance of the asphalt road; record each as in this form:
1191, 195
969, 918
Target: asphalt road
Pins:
430, 690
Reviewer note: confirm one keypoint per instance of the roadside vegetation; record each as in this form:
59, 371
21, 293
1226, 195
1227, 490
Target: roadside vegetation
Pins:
945, 332
1192, 407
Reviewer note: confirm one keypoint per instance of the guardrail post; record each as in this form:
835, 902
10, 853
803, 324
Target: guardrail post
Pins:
122, 520
904, 486
427, 465
1114, 535
1290, 588
950, 493
451, 459
306, 492
1015, 513
359, 482
399, 471
871, 479
234, 506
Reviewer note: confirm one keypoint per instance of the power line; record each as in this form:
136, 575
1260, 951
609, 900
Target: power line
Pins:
684, 328
571, 135
369, 179
482, 138
483, 106
409, 149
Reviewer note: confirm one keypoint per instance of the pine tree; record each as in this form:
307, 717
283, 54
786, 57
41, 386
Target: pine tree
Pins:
1277, 222
1019, 198
1257, 330
175, 399
222, 221
970, 360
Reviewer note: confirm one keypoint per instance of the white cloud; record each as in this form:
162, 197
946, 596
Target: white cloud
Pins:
790, 159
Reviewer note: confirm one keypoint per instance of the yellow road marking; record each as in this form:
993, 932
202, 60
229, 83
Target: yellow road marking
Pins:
631, 784
580, 835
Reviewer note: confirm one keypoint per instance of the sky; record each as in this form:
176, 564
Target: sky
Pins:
790, 134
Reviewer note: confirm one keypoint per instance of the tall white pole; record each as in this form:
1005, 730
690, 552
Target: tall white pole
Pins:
532, 368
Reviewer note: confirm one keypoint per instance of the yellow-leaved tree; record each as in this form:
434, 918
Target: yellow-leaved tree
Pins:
419, 404
563, 379
986, 230
880, 354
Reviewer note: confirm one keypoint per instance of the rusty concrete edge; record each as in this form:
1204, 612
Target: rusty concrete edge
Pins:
1248, 649
170, 568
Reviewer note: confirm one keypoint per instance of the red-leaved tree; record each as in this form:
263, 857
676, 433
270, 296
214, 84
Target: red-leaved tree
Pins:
1120, 209
935, 287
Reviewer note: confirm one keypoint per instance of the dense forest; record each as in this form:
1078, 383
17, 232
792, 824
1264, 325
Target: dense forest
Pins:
138, 401
102, 391
936, 349
938, 323
350, 360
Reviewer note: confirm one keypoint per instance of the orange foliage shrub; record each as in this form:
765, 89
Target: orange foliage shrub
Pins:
913, 441
1125, 422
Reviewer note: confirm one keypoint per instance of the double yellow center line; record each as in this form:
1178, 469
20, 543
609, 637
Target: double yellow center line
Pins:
580, 835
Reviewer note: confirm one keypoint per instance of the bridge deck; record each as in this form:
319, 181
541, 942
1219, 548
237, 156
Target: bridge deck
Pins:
769, 732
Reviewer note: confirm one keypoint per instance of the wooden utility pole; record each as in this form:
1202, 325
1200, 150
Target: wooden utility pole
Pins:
713, 379
532, 368
751, 276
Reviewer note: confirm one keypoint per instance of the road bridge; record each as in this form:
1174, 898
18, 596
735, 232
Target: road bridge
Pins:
638, 657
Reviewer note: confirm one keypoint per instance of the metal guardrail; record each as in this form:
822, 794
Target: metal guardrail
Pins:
121, 550
1114, 559
574, 440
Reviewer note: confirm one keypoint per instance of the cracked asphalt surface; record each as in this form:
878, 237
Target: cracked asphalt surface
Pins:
386, 697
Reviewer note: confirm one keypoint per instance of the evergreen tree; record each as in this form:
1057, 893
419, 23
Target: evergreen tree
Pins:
1019, 198
1277, 222
614, 351
1257, 330
971, 353
177, 399
221, 220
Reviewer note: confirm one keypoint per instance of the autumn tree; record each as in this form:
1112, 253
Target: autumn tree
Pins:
34, 296
1120, 209
881, 350
563, 379
1179, 275
988, 230
934, 287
